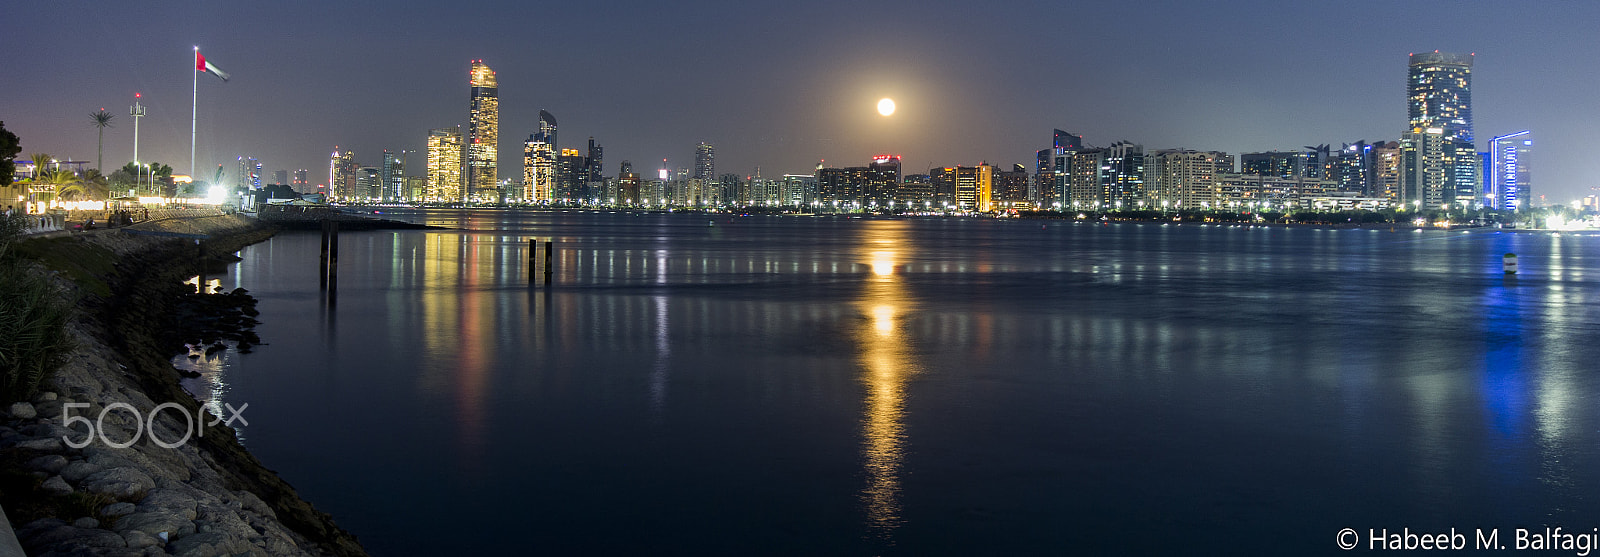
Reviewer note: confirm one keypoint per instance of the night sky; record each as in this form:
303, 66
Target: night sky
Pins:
781, 85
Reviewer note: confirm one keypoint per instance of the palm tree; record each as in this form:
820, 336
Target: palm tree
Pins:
102, 120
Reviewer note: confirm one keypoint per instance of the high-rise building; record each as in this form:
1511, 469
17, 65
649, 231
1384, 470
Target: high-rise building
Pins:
1508, 171
483, 135
249, 175
1439, 93
444, 183
1353, 168
1387, 159
876, 184
342, 174
547, 128
1124, 178
596, 155
571, 176
392, 176
302, 181
705, 166
539, 169
1048, 179
1439, 105
1082, 175
1011, 188
1184, 179
369, 183
1427, 159
280, 177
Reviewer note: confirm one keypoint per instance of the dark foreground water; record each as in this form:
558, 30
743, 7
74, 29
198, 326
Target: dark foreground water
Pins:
853, 387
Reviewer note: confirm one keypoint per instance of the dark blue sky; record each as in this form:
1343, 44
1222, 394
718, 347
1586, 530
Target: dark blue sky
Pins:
781, 85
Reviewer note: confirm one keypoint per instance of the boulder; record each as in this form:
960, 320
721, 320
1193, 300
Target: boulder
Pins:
121, 483
76, 471
115, 510
56, 486
49, 463
23, 411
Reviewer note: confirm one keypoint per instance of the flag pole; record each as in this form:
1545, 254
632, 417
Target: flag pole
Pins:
194, 110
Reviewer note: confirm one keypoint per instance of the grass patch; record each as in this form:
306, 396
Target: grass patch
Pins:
85, 264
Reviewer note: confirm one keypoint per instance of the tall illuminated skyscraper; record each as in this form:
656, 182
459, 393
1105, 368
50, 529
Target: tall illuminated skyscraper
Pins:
547, 128
538, 169
342, 174
444, 166
705, 166
483, 135
1439, 135
1508, 171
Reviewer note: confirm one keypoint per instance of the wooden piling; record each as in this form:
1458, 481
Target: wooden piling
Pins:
549, 262
333, 262
533, 261
322, 268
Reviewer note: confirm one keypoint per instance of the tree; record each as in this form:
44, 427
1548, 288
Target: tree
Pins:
101, 120
10, 146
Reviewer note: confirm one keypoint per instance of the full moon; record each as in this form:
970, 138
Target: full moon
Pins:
886, 107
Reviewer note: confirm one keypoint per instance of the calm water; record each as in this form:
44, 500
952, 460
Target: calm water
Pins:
792, 385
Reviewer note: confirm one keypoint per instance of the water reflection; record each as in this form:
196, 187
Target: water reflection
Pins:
886, 362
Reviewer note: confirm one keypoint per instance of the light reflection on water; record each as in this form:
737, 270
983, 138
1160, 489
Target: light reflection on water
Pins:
880, 386
887, 364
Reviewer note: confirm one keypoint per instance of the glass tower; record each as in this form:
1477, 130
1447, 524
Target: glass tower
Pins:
483, 135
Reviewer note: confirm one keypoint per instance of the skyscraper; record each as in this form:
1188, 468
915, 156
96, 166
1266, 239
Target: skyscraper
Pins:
1439, 93
705, 166
302, 181
444, 166
538, 169
249, 173
1439, 104
1184, 179
596, 154
392, 176
483, 135
1508, 171
547, 128
342, 174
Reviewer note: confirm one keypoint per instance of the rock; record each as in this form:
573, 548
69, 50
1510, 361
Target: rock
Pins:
56, 486
154, 523
140, 540
86, 523
78, 470
49, 409
115, 510
255, 504
121, 483
207, 544
169, 500
44, 396
23, 410
48, 463
48, 444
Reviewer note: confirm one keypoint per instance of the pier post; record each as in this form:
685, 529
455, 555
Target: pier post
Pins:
200, 278
322, 268
333, 262
533, 262
549, 261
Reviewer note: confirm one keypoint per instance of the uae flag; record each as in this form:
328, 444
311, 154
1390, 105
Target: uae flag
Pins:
200, 64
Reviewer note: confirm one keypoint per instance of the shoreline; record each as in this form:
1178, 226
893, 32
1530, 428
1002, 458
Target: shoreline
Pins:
206, 496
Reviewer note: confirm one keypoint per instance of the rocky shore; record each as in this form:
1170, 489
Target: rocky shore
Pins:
205, 496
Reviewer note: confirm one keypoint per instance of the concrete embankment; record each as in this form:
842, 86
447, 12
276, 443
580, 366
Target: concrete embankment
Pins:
204, 496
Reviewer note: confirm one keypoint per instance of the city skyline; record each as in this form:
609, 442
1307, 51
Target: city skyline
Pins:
783, 107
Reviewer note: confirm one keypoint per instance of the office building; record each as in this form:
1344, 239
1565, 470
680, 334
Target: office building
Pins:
1509, 179
483, 136
444, 179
